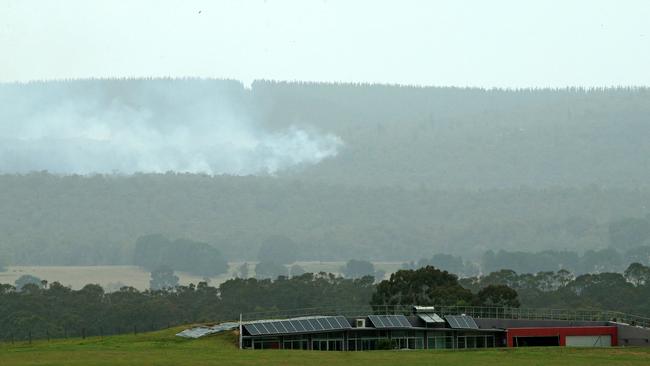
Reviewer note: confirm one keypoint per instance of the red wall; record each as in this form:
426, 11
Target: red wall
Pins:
562, 332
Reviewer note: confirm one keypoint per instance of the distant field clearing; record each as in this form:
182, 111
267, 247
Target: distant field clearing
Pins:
112, 278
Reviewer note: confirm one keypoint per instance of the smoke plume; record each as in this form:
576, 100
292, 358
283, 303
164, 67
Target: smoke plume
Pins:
129, 126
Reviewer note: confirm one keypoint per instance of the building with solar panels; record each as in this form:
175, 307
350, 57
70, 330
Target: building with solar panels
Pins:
424, 329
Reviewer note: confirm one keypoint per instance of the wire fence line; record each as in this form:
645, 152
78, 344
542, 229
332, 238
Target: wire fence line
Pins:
492, 312
28, 334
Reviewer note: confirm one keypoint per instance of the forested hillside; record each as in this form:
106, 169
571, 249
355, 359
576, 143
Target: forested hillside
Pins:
392, 135
46, 219
471, 138
420, 171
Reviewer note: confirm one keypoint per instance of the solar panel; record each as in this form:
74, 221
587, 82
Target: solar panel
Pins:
323, 324
252, 329
262, 329
297, 325
333, 323
314, 324
471, 322
343, 322
403, 321
276, 326
461, 322
389, 321
289, 326
452, 321
430, 318
376, 321
306, 324
272, 329
328, 324
280, 326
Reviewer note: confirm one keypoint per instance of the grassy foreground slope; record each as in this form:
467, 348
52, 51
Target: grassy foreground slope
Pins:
163, 348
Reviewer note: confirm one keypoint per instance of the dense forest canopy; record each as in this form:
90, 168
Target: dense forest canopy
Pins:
420, 171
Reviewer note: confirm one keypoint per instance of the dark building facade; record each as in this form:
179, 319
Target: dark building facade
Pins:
424, 329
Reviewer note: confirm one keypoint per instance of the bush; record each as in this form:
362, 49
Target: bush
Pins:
27, 280
358, 268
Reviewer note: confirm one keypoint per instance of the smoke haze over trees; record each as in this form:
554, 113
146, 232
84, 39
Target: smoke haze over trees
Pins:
345, 171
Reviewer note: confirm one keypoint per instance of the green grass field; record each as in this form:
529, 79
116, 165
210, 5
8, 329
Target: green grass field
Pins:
163, 348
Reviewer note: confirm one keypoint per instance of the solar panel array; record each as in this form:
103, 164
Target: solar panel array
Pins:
389, 321
461, 322
431, 318
316, 324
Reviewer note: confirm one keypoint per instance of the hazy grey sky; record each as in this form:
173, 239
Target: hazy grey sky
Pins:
479, 43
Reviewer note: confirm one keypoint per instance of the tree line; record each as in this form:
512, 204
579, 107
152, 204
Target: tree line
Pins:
39, 309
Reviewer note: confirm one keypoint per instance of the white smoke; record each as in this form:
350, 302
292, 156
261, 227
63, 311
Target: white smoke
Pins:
87, 127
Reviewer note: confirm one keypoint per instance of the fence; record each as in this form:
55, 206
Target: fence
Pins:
27, 334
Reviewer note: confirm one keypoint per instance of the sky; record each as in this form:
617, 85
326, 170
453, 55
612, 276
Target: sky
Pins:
495, 43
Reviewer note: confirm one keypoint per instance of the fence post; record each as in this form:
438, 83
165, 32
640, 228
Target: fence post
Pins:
83, 333
135, 329
30, 336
